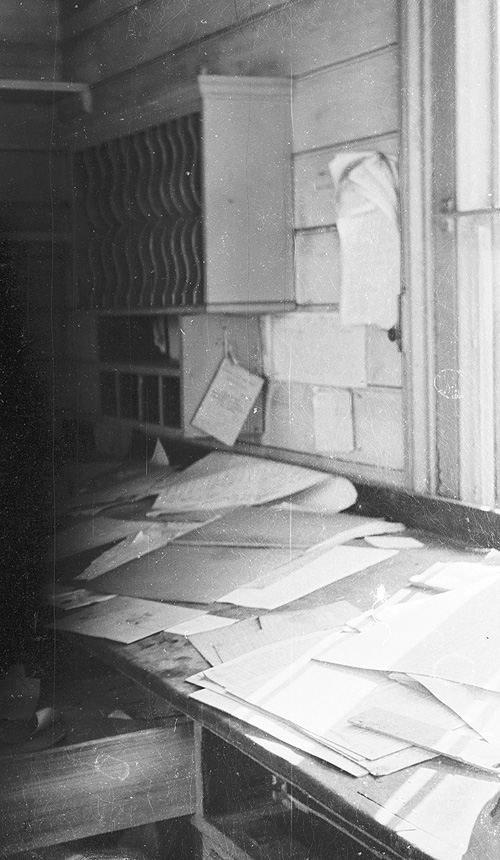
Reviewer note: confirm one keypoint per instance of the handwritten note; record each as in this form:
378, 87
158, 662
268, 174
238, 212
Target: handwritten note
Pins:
228, 401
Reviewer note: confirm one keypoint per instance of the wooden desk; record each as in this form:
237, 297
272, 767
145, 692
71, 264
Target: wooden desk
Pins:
427, 811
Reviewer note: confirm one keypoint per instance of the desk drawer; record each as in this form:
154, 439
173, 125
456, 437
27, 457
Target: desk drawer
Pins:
98, 786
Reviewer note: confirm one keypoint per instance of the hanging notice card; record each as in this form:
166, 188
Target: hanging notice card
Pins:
228, 401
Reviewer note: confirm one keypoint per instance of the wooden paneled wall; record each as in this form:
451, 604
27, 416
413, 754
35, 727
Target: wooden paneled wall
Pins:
28, 49
342, 60
34, 188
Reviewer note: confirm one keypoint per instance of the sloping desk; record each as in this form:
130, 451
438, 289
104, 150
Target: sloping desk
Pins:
416, 813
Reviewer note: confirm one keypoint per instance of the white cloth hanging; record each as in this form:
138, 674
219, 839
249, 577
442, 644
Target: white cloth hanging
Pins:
366, 195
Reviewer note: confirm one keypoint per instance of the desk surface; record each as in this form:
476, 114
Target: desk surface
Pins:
424, 811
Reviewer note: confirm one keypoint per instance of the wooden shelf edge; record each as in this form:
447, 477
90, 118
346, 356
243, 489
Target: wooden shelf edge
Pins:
55, 87
241, 309
137, 368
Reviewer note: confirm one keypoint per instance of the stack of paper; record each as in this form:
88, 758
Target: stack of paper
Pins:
418, 679
448, 645
307, 704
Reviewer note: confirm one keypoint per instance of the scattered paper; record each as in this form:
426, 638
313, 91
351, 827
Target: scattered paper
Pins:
332, 565
462, 745
311, 697
254, 633
191, 574
233, 480
201, 623
273, 727
280, 526
127, 486
479, 708
92, 533
454, 636
284, 625
159, 457
124, 619
334, 494
77, 598
445, 576
149, 538
228, 401
393, 542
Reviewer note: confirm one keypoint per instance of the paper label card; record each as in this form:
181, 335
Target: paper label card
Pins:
333, 421
228, 401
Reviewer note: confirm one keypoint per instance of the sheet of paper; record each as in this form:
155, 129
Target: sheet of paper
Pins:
394, 542
275, 729
124, 619
397, 761
92, 533
191, 574
288, 624
479, 708
462, 745
250, 673
334, 494
159, 457
415, 808
201, 623
150, 537
368, 226
332, 565
125, 486
253, 633
77, 598
282, 526
444, 576
333, 421
314, 348
453, 636
222, 480
228, 401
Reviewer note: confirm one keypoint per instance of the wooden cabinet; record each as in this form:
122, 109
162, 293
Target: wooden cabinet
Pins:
194, 211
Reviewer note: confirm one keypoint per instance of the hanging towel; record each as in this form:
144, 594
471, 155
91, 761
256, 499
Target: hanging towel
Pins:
366, 186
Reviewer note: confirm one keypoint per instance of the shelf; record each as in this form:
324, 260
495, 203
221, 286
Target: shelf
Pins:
141, 368
44, 91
